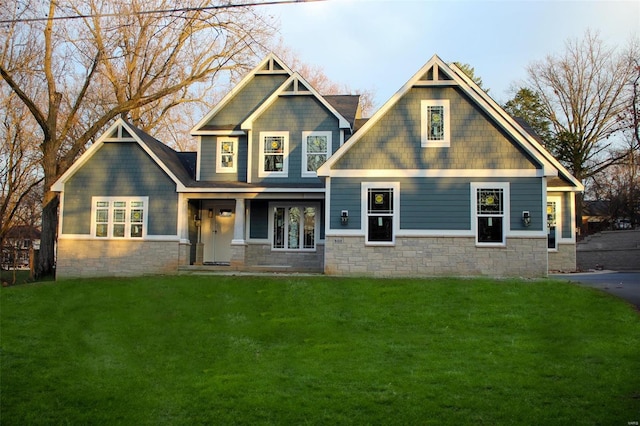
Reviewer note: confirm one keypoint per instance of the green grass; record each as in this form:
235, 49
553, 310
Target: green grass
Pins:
316, 350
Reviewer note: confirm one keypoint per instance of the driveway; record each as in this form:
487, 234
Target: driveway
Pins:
625, 285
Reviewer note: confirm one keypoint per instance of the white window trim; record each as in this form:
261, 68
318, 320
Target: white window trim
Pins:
128, 200
301, 206
219, 167
558, 200
285, 153
364, 224
506, 206
424, 139
305, 135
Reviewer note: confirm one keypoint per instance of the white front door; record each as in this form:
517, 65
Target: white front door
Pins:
217, 231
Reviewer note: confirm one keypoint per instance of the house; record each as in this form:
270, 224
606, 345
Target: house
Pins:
17, 246
439, 181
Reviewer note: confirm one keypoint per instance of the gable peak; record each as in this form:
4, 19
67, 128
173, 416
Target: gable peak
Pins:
272, 64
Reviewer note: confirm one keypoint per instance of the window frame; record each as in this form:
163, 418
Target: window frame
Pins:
557, 200
305, 153
220, 168
286, 226
445, 142
110, 222
285, 155
504, 215
394, 214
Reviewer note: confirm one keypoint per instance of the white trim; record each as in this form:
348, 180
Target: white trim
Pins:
364, 212
154, 238
199, 158
285, 155
557, 199
249, 155
506, 209
425, 142
435, 173
219, 167
328, 151
268, 60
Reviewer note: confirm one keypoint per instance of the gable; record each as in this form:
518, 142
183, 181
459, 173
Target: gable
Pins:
394, 141
245, 102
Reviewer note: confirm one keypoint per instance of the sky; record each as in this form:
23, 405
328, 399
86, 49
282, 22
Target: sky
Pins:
379, 44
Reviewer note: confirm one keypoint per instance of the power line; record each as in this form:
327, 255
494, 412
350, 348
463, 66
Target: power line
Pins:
159, 11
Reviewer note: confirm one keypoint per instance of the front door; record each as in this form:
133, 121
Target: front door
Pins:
217, 231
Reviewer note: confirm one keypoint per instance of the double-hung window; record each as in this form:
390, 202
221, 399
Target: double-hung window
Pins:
274, 158
119, 217
491, 212
227, 154
295, 227
381, 212
434, 119
316, 148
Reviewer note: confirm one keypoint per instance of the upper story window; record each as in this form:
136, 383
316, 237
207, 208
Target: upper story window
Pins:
316, 148
381, 202
119, 217
227, 155
434, 119
491, 212
274, 158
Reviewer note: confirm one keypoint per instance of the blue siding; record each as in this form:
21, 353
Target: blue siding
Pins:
437, 204
247, 100
294, 114
394, 142
120, 169
208, 158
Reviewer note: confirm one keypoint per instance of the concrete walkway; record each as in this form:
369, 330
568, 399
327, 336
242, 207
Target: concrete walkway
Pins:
625, 284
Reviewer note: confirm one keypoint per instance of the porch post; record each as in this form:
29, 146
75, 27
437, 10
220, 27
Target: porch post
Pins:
184, 245
238, 244
238, 225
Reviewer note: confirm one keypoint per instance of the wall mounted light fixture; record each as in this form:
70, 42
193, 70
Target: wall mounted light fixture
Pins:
526, 218
344, 217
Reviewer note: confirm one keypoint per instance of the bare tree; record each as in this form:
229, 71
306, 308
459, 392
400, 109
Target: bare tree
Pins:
19, 164
582, 95
316, 76
120, 59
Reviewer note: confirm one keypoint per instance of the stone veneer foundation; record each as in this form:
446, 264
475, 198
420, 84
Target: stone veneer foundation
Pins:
435, 256
563, 260
102, 258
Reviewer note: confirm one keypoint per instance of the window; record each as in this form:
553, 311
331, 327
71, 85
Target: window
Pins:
435, 123
115, 217
316, 148
294, 227
491, 205
274, 160
226, 160
381, 212
554, 216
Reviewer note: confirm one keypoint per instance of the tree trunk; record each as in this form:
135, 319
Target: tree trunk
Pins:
46, 259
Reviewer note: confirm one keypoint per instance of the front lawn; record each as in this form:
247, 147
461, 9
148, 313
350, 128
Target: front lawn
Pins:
316, 350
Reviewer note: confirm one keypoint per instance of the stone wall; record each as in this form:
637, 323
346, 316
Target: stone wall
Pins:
262, 257
615, 250
563, 260
101, 258
435, 256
